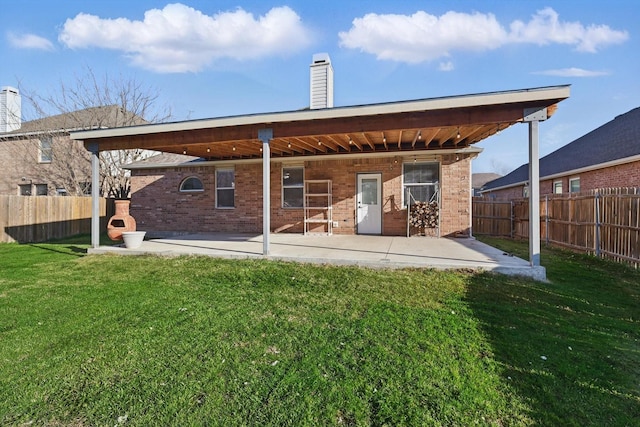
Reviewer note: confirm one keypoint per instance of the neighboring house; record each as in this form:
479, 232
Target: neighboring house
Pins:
38, 156
606, 157
343, 170
478, 180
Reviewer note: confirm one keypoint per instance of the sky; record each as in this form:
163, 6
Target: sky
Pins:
209, 58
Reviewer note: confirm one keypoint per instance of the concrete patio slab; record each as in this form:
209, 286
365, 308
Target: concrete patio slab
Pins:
366, 251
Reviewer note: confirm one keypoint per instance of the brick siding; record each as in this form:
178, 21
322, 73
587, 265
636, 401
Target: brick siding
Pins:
160, 208
624, 175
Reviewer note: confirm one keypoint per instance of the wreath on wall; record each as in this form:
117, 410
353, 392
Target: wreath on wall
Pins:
424, 215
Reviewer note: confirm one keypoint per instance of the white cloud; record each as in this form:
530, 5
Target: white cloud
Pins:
179, 38
545, 28
29, 41
572, 72
423, 37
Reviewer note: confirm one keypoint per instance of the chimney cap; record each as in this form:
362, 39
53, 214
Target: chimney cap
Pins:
9, 89
321, 58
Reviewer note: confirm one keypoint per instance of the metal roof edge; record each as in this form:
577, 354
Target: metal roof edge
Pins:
456, 101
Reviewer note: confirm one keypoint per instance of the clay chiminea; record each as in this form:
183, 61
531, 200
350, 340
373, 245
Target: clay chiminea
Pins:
121, 221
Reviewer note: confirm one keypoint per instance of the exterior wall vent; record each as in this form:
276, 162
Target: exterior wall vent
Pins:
321, 87
10, 109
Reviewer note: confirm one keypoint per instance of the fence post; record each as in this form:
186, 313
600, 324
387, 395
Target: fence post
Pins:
546, 219
597, 230
511, 220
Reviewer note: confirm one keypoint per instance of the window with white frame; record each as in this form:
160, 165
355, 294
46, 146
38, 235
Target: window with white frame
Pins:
574, 185
419, 182
292, 186
191, 184
525, 191
46, 154
557, 187
225, 188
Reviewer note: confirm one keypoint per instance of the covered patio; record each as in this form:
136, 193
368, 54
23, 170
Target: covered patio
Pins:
436, 129
365, 251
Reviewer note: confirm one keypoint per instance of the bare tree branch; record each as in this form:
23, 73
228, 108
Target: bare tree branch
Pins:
91, 102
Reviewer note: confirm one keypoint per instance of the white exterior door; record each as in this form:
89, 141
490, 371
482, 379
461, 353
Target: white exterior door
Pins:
369, 203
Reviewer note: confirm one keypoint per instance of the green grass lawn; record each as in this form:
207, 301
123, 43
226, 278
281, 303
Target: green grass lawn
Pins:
194, 341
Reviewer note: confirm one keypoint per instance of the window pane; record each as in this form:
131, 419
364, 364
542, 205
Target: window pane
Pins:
86, 188
370, 191
421, 180
225, 179
419, 173
292, 177
419, 193
45, 150
574, 185
292, 197
191, 184
225, 198
557, 187
25, 189
41, 190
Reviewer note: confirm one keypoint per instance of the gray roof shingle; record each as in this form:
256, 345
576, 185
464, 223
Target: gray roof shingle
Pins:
615, 140
89, 118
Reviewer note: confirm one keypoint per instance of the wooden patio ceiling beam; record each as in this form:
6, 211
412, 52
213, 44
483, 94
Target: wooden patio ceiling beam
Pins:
369, 141
352, 141
339, 143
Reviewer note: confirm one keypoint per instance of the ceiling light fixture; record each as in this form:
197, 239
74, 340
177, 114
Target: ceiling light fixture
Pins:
289, 144
208, 150
184, 151
319, 142
458, 136
234, 148
419, 135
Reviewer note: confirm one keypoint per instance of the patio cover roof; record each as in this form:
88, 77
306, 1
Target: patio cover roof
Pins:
447, 123
453, 122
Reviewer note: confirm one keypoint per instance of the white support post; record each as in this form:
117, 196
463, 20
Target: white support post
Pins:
265, 135
95, 194
534, 195
533, 117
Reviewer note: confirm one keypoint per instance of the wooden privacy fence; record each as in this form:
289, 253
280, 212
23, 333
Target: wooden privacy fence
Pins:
605, 223
31, 219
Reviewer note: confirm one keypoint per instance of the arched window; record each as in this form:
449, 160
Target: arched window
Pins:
191, 184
